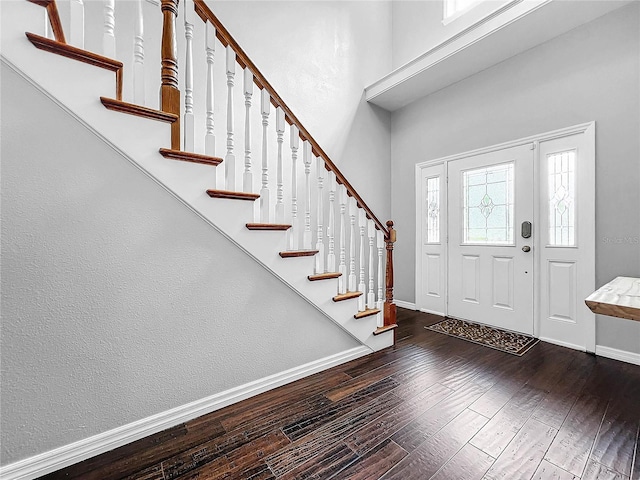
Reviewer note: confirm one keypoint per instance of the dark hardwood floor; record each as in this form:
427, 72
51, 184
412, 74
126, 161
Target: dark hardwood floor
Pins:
430, 407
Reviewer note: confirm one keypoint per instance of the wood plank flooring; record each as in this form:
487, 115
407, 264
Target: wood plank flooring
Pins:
430, 407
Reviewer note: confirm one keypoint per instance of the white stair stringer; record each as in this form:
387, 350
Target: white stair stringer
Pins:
76, 87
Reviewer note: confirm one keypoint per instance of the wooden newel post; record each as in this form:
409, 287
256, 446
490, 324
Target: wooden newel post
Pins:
169, 93
389, 306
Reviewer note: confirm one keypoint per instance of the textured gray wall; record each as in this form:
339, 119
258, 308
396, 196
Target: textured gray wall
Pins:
590, 73
118, 302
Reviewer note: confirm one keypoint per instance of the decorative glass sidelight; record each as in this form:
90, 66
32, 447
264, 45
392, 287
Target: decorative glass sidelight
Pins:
561, 188
432, 218
488, 204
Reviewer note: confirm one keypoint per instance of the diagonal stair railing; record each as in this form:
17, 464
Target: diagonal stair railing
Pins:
351, 251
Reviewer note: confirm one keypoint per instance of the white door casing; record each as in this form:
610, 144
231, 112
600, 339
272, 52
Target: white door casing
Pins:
563, 275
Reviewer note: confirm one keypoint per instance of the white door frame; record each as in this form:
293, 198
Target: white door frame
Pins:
589, 164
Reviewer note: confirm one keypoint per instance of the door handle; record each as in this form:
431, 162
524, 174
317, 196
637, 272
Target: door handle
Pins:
526, 248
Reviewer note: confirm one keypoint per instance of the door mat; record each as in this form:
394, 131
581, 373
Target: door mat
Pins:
503, 340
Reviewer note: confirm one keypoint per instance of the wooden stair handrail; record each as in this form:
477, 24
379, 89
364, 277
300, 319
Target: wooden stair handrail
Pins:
243, 59
54, 18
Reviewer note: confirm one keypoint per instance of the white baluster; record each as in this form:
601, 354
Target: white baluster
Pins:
280, 124
138, 56
331, 227
362, 222
210, 49
371, 296
76, 23
189, 122
247, 179
230, 158
319, 258
306, 158
342, 268
353, 207
293, 231
381, 277
264, 191
109, 36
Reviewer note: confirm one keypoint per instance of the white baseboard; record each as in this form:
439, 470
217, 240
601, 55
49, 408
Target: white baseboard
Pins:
402, 304
61, 457
616, 354
562, 344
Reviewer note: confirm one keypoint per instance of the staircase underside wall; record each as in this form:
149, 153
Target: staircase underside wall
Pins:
118, 301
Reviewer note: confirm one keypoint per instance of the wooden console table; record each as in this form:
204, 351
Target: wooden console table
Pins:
618, 298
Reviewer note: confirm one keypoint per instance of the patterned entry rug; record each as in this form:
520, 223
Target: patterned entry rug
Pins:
503, 340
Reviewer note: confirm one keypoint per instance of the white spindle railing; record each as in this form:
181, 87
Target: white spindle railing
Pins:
331, 227
109, 29
264, 191
306, 158
353, 211
247, 177
361, 264
381, 279
362, 223
280, 125
76, 23
342, 267
319, 259
293, 232
210, 51
371, 296
230, 158
188, 126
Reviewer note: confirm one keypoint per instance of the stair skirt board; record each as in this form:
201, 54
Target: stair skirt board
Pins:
44, 463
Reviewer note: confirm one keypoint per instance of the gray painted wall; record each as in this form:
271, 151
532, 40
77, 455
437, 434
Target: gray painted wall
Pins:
118, 302
320, 55
590, 73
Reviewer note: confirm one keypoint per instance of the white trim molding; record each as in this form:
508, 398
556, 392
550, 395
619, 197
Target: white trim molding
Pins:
615, 354
47, 462
403, 304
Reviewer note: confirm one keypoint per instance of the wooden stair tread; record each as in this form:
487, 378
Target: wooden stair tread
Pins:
366, 313
190, 157
324, 276
75, 53
232, 195
268, 226
346, 296
138, 110
380, 330
298, 253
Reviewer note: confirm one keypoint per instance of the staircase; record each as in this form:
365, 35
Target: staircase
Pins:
279, 197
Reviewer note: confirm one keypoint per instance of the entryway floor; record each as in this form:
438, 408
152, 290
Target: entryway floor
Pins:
433, 406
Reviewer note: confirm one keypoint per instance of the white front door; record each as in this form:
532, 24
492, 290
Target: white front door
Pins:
490, 260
